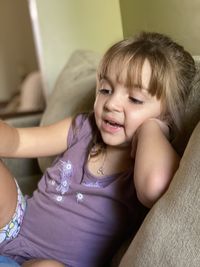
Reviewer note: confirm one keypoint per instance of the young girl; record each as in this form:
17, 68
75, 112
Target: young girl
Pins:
113, 164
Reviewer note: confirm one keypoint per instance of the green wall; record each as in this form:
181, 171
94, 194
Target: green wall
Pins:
178, 18
66, 25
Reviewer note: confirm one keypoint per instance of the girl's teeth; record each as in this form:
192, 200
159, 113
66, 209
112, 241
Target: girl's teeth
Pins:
113, 124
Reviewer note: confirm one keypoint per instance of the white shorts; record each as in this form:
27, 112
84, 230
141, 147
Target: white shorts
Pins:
12, 229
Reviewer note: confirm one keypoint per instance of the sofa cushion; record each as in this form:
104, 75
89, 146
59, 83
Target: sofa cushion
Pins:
170, 234
74, 91
193, 103
192, 111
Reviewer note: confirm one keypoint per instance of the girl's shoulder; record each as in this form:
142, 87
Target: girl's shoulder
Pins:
81, 127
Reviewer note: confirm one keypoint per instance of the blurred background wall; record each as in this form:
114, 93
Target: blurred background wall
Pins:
17, 49
178, 18
66, 25
56, 28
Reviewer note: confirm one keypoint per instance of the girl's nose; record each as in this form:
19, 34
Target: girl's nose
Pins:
114, 103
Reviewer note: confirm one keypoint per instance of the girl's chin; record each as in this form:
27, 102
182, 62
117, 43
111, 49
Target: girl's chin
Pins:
124, 145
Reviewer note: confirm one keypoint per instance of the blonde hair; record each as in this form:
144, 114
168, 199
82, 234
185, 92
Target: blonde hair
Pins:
172, 68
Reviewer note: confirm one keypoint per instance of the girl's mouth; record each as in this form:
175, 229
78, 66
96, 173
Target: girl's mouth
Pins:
111, 126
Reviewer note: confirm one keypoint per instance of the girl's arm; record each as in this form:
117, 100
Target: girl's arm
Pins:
35, 141
155, 162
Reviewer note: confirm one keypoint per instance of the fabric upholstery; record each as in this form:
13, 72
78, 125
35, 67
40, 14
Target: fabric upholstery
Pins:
74, 91
192, 111
193, 103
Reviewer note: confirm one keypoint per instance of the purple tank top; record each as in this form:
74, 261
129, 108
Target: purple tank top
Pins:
73, 216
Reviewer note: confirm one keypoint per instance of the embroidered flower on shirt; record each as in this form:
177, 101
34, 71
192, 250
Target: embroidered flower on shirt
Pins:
79, 197
92, 184
59, 198
66, 173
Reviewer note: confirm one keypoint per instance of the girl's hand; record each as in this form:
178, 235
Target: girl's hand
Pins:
134, 145
155, 161
163, 126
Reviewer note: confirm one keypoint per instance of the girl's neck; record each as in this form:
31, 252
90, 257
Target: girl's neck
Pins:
109, 161
120, 152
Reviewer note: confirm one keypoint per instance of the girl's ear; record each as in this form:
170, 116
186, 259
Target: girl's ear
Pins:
166, 118
165, 115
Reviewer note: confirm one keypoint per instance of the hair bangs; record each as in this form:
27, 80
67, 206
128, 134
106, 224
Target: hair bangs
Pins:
125, 67
157, 81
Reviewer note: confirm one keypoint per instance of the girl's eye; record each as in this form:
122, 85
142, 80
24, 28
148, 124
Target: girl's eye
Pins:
105, 91
136, 101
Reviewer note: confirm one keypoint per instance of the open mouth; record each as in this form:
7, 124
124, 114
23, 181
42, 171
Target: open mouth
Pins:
113, 124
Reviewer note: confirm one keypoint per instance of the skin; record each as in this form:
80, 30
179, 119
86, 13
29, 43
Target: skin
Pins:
155, 162
128, 107
43, 263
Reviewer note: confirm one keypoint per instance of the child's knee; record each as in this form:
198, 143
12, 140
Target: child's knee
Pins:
11, 220
8, 200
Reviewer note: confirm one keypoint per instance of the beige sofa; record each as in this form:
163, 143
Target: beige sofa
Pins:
170, 234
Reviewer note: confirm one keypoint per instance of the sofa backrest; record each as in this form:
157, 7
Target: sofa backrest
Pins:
192, 110
74, 91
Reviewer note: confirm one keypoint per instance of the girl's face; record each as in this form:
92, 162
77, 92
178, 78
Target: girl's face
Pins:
119, 110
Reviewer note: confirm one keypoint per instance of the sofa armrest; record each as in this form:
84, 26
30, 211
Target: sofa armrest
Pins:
24, 119
169, 235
